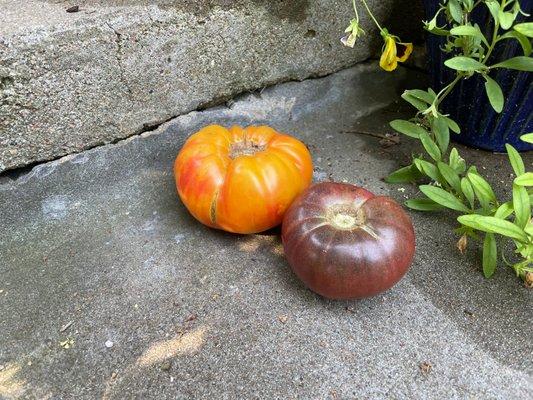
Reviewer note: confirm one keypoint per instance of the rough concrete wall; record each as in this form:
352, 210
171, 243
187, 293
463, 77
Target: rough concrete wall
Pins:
70, 81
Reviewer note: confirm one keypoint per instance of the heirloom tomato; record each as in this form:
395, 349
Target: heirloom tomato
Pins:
343, 242
241, 180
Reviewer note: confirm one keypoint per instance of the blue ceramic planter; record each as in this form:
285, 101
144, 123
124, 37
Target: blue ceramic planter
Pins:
468, 104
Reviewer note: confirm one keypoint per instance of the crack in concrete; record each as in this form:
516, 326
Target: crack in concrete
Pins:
119, 55
227, 101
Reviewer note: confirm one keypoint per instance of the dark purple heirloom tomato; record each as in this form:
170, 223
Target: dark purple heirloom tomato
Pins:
344, 242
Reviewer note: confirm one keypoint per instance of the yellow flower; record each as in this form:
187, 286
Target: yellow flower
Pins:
394, 52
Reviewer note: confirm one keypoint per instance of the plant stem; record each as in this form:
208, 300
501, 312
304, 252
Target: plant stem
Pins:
355, 10
494, 40
447, 89
372, 15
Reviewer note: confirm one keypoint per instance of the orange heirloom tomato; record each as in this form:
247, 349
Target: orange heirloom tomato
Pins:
241, 179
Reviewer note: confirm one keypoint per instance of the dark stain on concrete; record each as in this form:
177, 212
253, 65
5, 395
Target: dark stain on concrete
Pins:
6, 81
293, 10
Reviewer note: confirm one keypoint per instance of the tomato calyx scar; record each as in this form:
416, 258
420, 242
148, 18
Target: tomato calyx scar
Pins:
344, 221
347, 217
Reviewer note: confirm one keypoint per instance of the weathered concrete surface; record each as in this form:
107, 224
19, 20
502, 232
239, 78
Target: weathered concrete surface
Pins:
100, 240
71, 81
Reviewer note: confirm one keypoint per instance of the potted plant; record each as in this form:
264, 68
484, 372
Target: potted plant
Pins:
481, 125
470, 54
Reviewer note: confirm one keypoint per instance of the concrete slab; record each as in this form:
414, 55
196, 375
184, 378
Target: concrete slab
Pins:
109, 289
72, 81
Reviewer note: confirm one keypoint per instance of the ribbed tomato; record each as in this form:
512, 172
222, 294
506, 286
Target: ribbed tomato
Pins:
343, 242
241, 179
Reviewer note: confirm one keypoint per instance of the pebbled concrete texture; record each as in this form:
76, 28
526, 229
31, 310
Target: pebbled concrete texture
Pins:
110, 289
71, 81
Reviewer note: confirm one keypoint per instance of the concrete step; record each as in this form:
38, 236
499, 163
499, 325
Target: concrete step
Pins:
71, 81
110, 289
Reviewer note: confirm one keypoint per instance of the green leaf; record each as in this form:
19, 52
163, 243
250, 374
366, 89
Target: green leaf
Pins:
524, 42
521, 205
504, 210
439, 31
428, 169
423, 205
450, 175
433, 23
529, 228
525, 28
490, 255
522, 39
506, 19
522, 266
468, 4
468, 30
422, 95
457, 162
494, 8
494, 93
430, 146
443, 198
520, 63
404, 175
468, 191
493, 225
418, 104
452, 124
472, 170
526, 251
526, 179
516, 161
455, 10
462, 63
442, 133
483, 190
528, 138
407, 128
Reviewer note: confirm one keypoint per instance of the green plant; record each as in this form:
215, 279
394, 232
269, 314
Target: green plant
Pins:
453, 184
